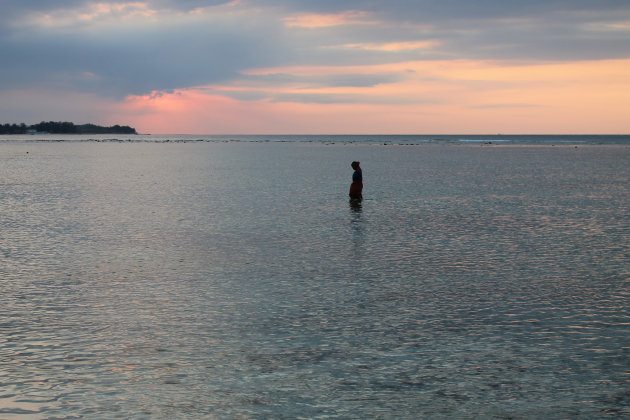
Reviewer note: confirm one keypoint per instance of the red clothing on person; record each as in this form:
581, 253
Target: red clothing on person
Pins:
357, 182
355, 189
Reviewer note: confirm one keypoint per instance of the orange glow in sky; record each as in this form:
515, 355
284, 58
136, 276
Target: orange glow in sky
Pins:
324, 20
429, 97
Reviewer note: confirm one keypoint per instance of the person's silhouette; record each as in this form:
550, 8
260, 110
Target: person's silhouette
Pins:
356, 188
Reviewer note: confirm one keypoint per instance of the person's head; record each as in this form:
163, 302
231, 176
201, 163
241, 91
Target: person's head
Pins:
355, 165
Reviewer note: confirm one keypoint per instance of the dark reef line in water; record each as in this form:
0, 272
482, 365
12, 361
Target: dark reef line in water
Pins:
380, 140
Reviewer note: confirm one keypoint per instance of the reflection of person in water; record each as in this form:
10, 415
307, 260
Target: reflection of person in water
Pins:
357, 182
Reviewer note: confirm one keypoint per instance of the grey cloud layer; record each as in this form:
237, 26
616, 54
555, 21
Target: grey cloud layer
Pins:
133, 60
171, 52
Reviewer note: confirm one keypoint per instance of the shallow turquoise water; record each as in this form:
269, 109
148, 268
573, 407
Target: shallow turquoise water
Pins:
233, 280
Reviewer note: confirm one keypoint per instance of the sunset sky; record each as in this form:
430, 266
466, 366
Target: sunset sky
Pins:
319, 66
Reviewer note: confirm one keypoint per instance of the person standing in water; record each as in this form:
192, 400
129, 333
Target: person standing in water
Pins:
357, 182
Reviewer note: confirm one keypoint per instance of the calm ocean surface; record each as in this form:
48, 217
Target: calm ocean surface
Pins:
189, 277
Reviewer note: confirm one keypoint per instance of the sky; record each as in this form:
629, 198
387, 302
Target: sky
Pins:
319, 66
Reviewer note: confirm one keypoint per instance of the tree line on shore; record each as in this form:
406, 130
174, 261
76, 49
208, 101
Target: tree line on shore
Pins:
60, 127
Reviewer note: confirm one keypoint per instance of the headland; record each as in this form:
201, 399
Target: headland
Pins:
59, 127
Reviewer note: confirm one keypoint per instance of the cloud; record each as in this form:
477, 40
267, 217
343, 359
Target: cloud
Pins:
412, 53
135, 47
148, 50
348, 98
339, 79
326, 20
492, 29
36, 104
390, 46
440, 11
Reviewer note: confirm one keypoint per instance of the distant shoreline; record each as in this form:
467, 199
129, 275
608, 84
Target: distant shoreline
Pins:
64, 127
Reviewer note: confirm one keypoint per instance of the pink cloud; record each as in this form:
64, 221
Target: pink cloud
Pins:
324, 20
390, 46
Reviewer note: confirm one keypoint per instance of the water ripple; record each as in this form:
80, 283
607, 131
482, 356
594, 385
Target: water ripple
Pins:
233, 280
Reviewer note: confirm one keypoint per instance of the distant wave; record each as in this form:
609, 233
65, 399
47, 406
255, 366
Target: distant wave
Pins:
485, 140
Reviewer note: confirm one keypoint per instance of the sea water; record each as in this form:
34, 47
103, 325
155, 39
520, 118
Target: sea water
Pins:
225, 277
